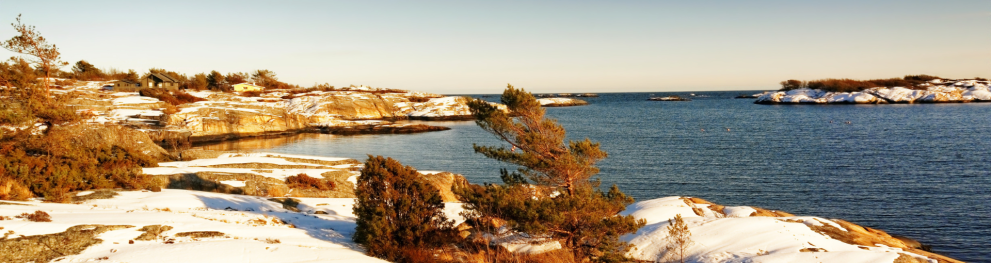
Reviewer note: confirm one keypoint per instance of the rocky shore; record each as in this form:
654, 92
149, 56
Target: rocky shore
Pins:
936, 91
226, 116
213, 205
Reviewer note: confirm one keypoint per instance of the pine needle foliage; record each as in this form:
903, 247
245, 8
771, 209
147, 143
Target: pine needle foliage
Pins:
47, 58
545, 158
553, 194
398, 215
679, 239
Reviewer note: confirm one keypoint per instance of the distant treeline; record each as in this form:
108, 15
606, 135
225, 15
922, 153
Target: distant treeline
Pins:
852, 85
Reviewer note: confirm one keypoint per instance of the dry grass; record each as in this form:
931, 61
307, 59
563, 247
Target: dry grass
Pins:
904, 258
201, 234
44, 248
865, 236
152, 232
98, 194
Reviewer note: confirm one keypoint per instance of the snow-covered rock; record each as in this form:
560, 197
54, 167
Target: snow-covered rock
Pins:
735, 234
561, 102
932, 92
228, 115
258, 230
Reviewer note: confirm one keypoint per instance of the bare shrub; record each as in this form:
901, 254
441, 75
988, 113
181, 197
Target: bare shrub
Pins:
37, 216
305, 182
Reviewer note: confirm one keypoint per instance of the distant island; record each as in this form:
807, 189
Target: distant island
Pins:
910, 89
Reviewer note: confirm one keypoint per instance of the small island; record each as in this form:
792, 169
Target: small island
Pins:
561, 102
669, 98
910, 89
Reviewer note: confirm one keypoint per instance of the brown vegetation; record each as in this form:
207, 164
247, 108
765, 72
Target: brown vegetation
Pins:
175, 98
398, 217
152, 232
679, 239
54, 164
304, 181
201, 234
98, 194
30, 42
37, 216
583, 218
851, 85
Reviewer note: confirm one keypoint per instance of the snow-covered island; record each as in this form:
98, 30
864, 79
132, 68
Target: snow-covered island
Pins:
561, 102
236, 219
935, 91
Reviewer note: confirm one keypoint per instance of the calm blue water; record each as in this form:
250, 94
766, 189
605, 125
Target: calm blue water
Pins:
922, 171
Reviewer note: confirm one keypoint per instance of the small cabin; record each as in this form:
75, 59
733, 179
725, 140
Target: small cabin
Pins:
158, 80
242, 87
123, 86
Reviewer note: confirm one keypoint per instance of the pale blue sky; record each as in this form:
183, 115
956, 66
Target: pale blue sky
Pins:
543, 46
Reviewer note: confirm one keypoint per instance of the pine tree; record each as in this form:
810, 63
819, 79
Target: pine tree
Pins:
679, 238
30, 42
397, 214
553, 194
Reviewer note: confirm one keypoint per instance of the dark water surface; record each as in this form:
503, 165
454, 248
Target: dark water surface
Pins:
922, 171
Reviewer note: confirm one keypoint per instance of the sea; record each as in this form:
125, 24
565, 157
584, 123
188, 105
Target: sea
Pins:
917, 170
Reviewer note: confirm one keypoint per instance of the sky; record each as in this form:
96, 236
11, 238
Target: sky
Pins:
460, 47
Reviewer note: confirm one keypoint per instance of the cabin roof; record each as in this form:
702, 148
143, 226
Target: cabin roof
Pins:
164, 77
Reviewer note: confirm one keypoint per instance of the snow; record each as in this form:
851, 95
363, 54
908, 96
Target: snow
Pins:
738, 211
548, 101
741, 238
234, 183
935, 91
441, 107
306, 238
276, 155
134, 100
127, 113
233, 160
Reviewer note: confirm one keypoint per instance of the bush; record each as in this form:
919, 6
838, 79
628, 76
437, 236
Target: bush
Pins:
398, 216
37, 216
178, 98
53, 164
419, 99
304, 181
